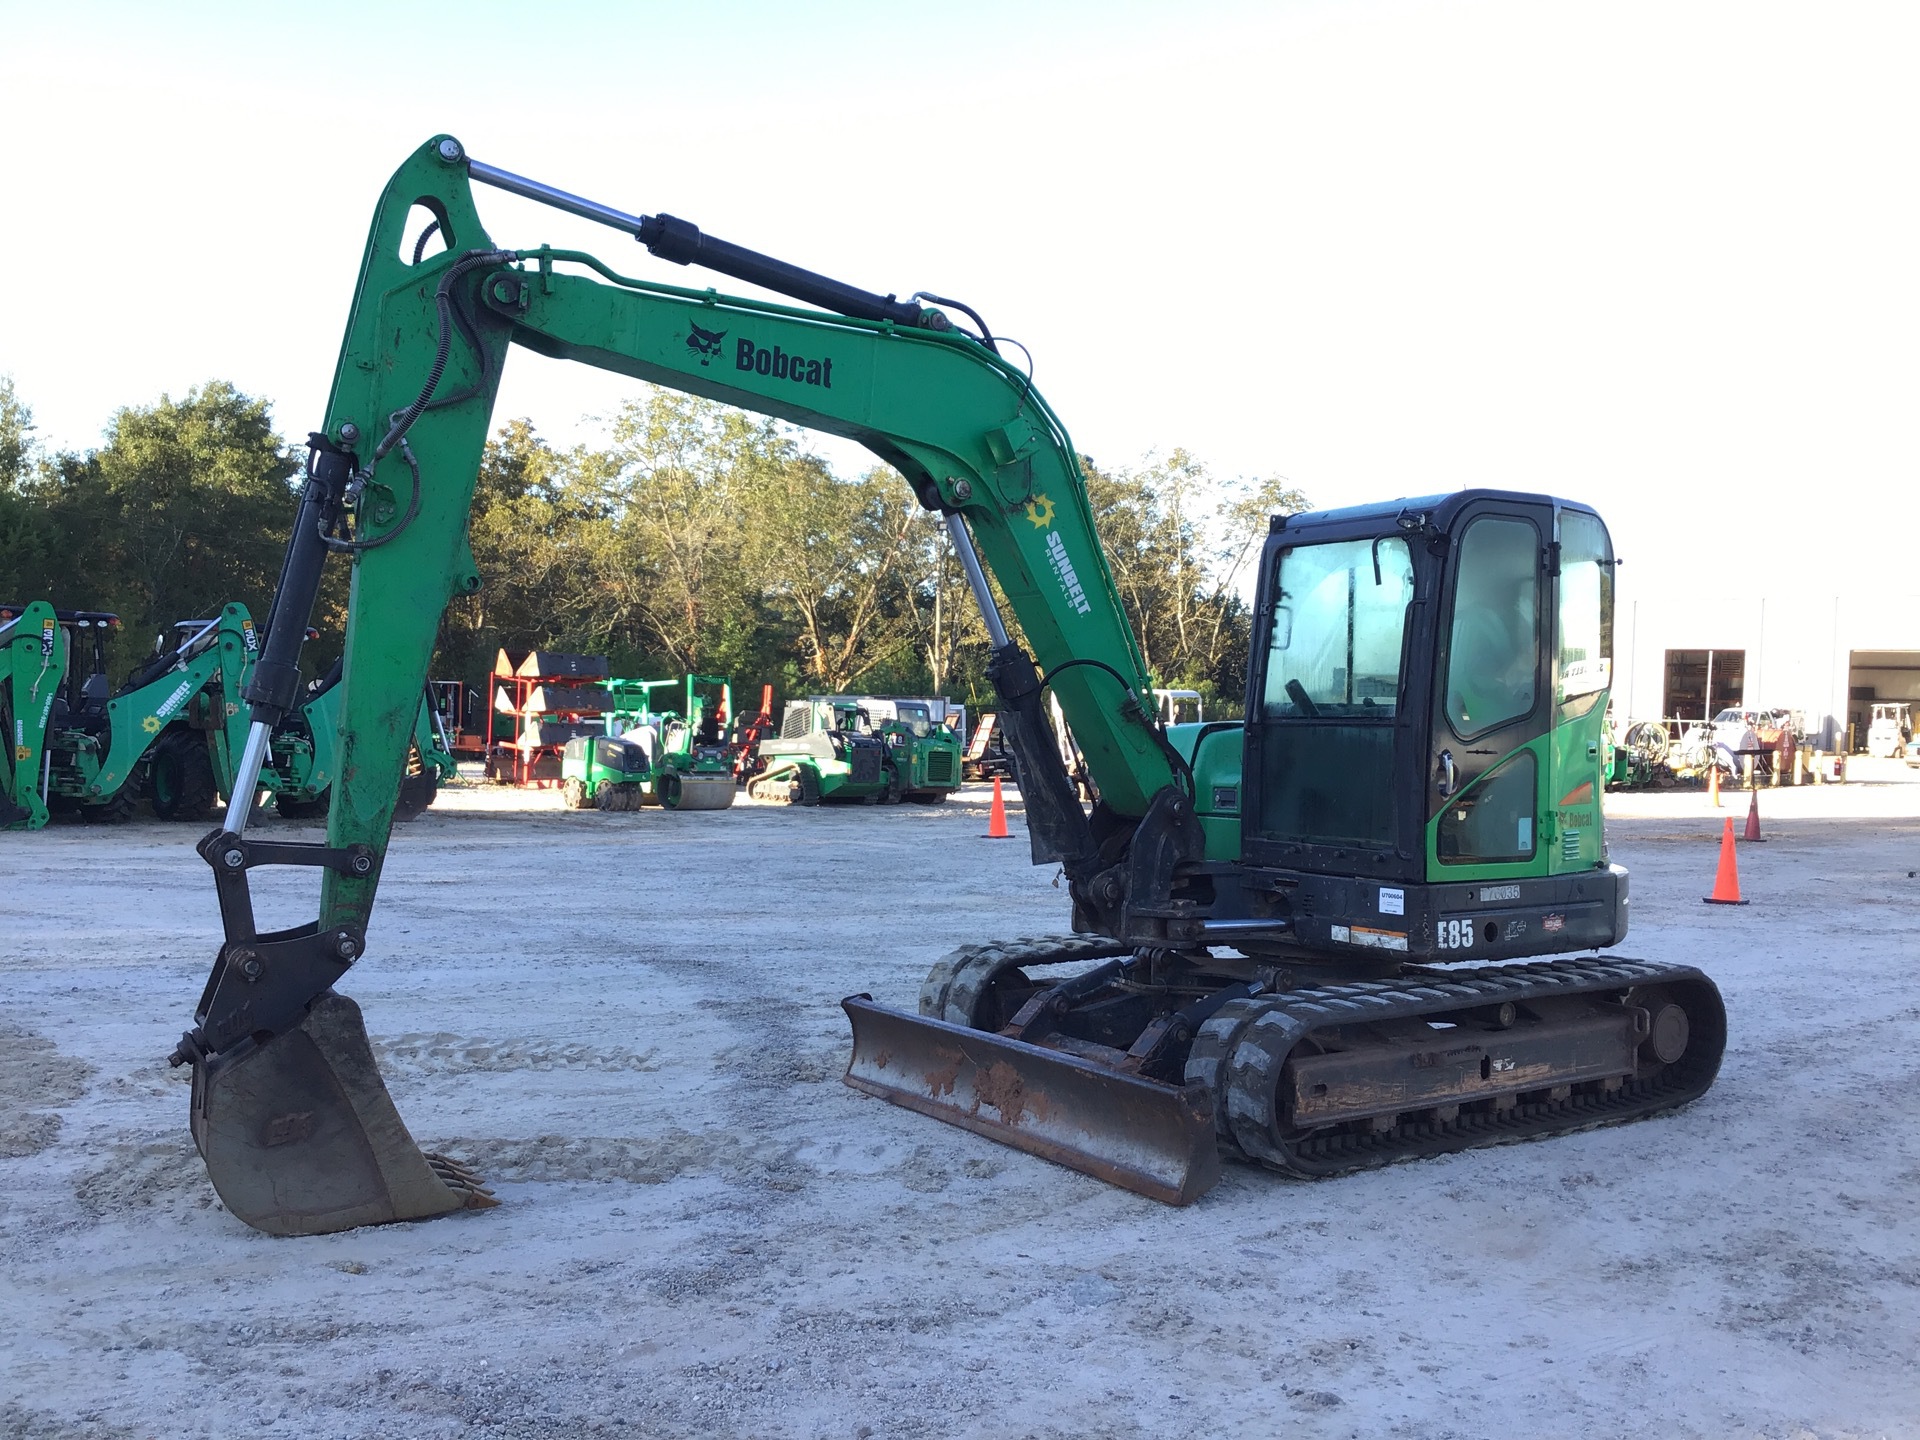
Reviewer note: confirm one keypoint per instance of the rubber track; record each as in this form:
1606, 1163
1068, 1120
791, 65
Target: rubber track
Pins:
954, 985
1250, 1040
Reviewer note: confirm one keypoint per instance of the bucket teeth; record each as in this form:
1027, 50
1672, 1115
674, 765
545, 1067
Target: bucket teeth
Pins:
300, 1136
462, 1181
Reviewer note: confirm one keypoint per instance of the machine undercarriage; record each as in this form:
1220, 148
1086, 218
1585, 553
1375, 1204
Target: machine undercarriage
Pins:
1205, 1054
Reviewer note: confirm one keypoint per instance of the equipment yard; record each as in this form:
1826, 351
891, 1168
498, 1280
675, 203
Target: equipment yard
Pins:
628, 1025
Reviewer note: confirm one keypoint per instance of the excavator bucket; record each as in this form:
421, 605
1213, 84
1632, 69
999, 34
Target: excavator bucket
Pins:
1142, 1135
301, 1138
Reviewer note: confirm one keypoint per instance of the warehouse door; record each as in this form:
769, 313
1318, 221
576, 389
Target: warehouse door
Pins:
1702, 683
1876, 675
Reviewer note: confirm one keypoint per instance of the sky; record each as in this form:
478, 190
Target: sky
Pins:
1659, 257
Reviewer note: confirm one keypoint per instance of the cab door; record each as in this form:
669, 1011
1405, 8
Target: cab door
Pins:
1491, 696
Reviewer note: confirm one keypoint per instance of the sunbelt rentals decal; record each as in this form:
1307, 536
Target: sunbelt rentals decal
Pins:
1040, 514
21, 750
174, 701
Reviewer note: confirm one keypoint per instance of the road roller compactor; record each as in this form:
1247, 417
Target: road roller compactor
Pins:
1311, 937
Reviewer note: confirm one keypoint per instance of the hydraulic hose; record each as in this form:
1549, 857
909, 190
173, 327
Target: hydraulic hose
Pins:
443, 303
1177, 761
451, 317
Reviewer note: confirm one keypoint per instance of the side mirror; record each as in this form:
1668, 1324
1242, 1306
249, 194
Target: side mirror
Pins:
1282, 627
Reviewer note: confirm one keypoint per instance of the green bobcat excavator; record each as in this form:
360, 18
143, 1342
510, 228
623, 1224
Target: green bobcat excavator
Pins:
1267, 913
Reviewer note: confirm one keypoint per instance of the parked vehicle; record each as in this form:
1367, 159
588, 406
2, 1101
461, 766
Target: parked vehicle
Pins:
33, 665
605, 771
1891, 732
824, 751
923, 756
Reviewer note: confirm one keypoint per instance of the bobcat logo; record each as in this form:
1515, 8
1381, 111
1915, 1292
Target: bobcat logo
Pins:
704, 343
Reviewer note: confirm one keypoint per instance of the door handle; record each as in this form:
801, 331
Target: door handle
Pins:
1446, 772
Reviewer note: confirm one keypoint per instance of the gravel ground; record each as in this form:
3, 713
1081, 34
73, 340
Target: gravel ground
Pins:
628, 1023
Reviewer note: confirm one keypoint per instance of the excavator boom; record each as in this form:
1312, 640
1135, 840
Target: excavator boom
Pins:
285, 1090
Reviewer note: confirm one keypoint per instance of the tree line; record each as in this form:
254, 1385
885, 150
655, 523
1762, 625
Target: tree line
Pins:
698, 538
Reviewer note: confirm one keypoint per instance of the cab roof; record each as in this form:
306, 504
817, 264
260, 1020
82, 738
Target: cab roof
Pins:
1442, 509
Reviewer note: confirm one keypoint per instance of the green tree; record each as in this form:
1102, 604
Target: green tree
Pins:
676, 485
183, 509
832, 552
1179, 544
525, 533
30, 539
17, 446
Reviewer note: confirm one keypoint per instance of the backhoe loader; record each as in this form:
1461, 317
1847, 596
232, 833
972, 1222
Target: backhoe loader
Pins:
303, 757
33, 663
107, 748
1269, 915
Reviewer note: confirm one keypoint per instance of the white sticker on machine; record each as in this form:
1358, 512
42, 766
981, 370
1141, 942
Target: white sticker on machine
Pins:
1392, 902
1376, 939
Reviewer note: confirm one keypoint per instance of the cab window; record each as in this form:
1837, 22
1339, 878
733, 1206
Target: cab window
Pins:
1492, 664
1584, 652
1334, 650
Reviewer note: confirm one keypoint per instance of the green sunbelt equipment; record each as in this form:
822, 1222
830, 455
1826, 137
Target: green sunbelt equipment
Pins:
923, 754
824, 750
33, 663
676, 760
173, 732
869, 748
303, 757
693, 771
606, 771
160, 732
1264, 909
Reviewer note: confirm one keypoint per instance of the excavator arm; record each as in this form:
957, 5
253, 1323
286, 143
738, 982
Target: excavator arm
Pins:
289, 1111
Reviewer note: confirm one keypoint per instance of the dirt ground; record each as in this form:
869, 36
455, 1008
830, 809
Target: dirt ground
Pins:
629, 1024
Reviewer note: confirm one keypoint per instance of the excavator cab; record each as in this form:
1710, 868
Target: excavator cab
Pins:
1428, 717
1417, 782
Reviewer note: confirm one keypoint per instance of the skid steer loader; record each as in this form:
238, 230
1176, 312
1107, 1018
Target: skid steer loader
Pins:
922, 755
1310, 937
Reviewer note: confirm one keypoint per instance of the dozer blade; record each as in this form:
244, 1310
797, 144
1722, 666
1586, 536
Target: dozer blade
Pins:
1152, 1138
301, 1138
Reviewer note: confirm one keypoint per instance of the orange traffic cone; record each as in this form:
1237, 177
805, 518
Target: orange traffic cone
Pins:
1726, 880
1753, 818
1713, 782
997, 821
